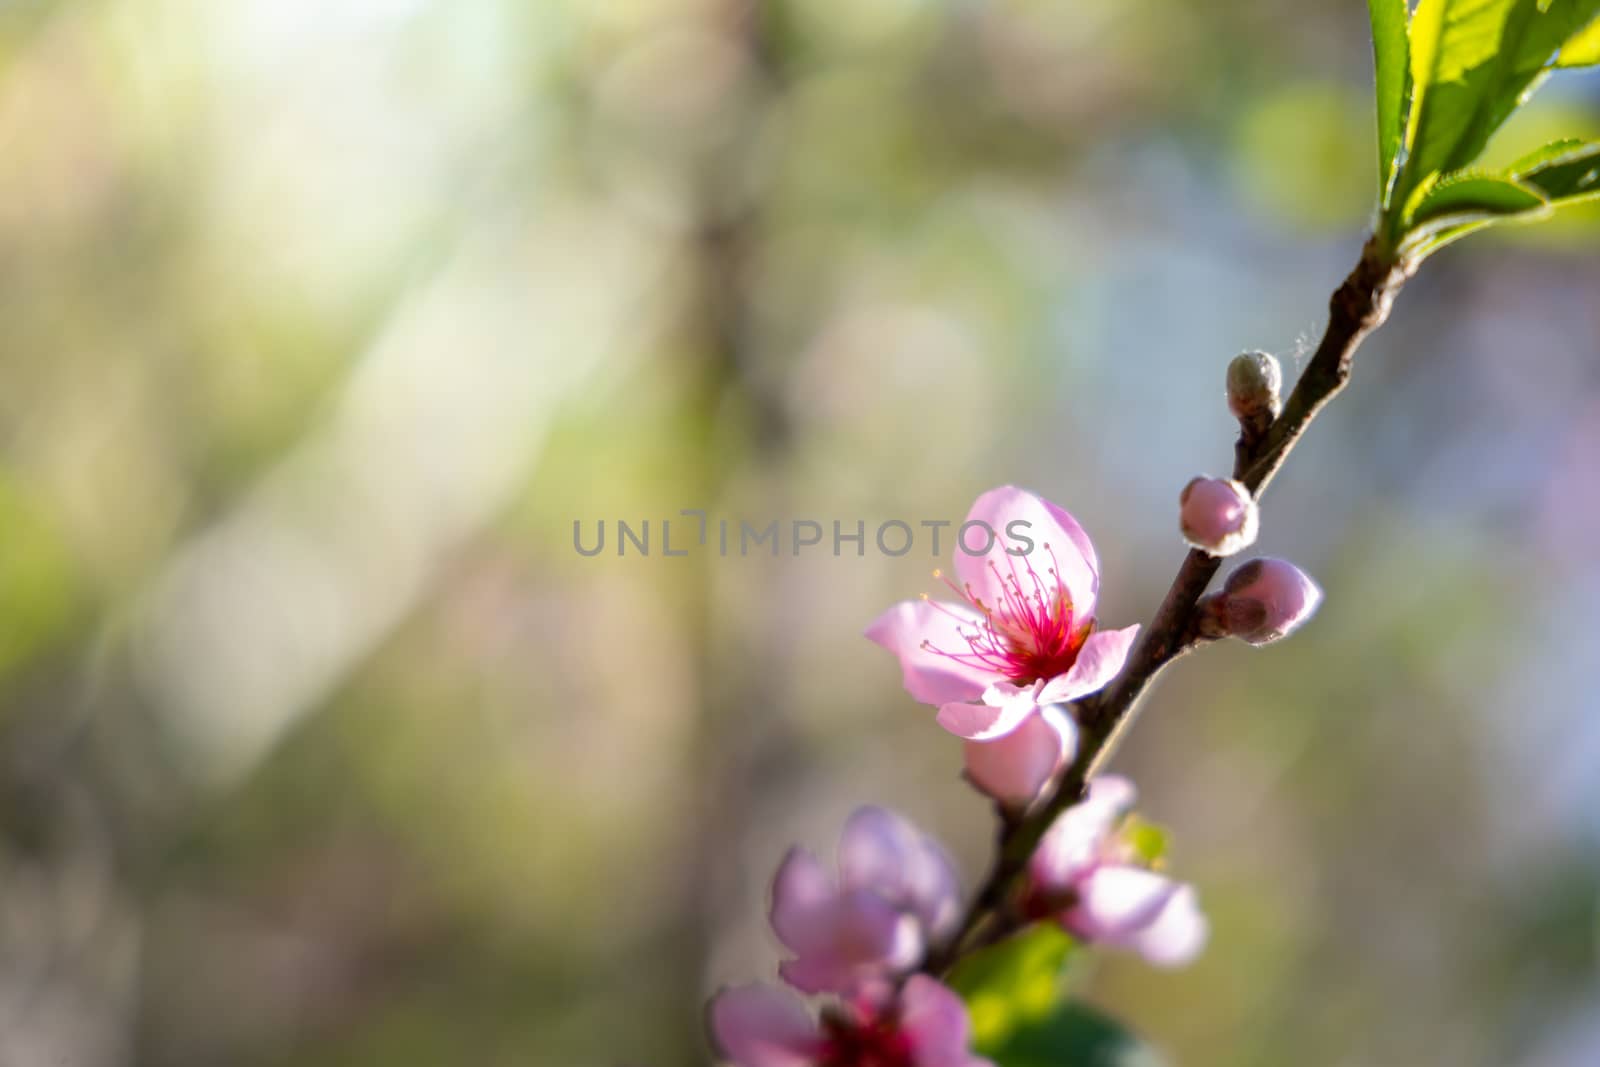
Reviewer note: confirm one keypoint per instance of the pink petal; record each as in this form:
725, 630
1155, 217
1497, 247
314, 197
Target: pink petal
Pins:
934, 1021
1099, 661
823, 974
1116, 904
882, 851
876, 934
984, 722
1178, 933
803, 899
859, 938
1112, 794
764, 1026
1073, 844
928, 675
1058, 544
1012, 769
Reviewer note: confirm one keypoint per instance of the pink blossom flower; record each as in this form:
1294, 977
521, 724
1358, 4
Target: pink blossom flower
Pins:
1022, 634
895, 893
1089, 876
923, 1025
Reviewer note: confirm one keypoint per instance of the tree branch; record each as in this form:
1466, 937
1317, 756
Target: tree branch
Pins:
1359, 306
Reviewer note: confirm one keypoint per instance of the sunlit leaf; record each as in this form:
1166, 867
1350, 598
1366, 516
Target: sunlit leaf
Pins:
1566, 172
1446, 42
1473, 63
1020, 1016
1537, 32
1392, 65
1013, 981
1073, 1035
1467, 196
1462, 203
1582, 50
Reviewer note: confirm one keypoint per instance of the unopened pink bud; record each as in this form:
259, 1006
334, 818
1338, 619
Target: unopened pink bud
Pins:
1267, 599
1218, 516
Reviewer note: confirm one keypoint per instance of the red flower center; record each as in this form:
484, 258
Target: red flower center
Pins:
877, 1042
1029, 635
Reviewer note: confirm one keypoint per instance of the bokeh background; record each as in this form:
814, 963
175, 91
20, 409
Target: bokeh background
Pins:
321, 325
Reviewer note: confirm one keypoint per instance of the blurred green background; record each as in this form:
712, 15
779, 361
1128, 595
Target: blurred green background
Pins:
320, 324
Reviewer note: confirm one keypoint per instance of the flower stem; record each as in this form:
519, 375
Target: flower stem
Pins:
1360, 305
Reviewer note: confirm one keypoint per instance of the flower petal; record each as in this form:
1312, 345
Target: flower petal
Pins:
803, 898
1071, 847
934, 1022
859, 938
1099, 661
1116, 904
1012, 769
1050, 541
1178, 933
884, 852
764, 1026
984, 722
922, 634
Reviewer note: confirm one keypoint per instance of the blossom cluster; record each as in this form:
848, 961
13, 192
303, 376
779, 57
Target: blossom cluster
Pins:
1006, 662
855, 937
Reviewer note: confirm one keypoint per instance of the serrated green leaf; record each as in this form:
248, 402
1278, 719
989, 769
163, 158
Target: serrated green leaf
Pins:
1582, 50
1555, 151
1468, 196
1473, 62
1465, 202
1566, 172
1392, 75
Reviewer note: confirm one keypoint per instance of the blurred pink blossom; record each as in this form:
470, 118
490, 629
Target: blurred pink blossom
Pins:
923, 1025
896, 892
1089, 875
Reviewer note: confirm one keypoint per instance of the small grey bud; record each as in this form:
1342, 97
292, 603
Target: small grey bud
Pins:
1254, 382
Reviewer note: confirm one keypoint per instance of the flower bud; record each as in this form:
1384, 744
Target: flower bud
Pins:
1265, 600
1218, 516
1254, 379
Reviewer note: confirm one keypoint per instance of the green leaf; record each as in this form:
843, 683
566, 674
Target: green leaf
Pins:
1469, 195
1074, 1035
1566, 172
1462, 203
1016, 997
1392, 67
1582, 50
1473, 62
1014, 979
